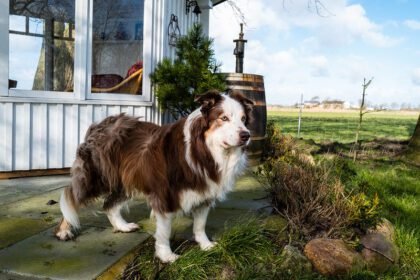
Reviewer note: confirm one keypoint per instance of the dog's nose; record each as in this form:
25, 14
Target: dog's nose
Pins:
244, 136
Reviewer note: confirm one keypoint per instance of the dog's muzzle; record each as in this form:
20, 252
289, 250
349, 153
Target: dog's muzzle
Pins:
244, 137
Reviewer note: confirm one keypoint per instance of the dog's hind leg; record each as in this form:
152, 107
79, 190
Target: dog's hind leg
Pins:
113, 205
70, 222
81, 191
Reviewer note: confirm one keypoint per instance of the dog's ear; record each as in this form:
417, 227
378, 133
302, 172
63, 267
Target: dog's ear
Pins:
247, 103
207, 100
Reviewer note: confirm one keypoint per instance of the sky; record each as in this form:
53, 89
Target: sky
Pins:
326, 53
24, 48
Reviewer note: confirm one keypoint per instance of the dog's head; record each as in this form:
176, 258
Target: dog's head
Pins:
227, 117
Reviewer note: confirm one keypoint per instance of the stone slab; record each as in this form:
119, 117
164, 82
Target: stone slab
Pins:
36, 207
94, 251
13, 230
12, 190
97, 248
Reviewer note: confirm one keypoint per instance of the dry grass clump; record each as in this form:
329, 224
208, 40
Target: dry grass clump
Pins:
309, 196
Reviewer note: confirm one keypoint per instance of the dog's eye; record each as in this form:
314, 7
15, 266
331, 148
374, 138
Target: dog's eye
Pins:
224, 118
243, 119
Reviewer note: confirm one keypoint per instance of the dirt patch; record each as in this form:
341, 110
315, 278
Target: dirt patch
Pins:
368, 149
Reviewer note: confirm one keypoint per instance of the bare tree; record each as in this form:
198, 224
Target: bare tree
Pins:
315, 6
363, 110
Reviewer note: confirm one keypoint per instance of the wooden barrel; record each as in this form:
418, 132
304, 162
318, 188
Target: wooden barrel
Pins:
253, 87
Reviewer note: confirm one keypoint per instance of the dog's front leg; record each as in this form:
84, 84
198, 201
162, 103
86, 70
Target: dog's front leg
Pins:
200, 218
162, 235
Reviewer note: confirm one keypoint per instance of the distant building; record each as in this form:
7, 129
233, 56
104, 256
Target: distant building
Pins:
333, 104
311, 104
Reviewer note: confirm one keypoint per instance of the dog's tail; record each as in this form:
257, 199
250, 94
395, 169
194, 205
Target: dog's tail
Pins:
69, 207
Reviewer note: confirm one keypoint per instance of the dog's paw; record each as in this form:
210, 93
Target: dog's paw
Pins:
168, 258
127, 227
64, 235
208, 245
165, 254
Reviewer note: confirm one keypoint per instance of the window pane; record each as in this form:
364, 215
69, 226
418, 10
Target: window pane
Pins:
117, 54
41, 44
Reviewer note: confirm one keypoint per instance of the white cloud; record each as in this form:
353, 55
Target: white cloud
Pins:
224, 23
415, 77
319, 65
350, 24
346, 23
413, 24
298, 51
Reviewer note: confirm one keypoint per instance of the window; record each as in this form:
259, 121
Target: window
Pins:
41, 45
117, 46
75, 49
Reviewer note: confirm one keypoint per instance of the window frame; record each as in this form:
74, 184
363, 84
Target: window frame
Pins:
82, 59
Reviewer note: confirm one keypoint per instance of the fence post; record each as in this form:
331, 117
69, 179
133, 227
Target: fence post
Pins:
300, 114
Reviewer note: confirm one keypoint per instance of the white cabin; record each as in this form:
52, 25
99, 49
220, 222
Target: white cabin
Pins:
67, 63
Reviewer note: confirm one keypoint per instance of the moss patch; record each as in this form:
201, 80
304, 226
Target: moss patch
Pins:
13, 230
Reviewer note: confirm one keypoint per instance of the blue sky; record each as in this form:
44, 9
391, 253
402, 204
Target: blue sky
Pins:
299, 51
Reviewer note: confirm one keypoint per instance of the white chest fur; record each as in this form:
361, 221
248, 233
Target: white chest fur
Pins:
231, 164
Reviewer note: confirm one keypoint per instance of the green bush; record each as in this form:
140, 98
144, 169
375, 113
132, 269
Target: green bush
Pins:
310, 195
192, 72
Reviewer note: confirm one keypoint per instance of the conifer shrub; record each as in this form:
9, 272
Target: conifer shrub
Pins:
193, 71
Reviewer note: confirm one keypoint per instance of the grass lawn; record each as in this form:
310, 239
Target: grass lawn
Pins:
397, 184
341, 126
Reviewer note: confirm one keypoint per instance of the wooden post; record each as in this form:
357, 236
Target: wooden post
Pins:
300, 114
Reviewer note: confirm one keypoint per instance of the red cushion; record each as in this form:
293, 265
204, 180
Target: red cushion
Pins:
134, 68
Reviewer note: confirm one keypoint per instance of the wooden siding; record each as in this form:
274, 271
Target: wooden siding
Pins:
41, 133
46, 135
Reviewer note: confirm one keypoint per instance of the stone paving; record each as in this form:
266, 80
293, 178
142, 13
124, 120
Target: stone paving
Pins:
28, 215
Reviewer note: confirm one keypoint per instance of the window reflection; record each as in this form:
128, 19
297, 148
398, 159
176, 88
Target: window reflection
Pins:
41, 44
117, 50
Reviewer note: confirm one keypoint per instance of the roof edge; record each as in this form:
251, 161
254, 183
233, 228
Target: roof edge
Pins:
217, 2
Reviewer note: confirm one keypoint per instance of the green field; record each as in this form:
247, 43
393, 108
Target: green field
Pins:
341, 127
390, 176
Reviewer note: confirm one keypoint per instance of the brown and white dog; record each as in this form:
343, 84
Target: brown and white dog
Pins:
185, 166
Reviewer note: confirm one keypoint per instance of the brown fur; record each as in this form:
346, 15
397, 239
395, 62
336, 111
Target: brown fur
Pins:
122, 156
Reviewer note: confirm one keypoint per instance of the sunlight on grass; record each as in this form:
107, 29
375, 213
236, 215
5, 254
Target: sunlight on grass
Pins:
341, 127
409, 245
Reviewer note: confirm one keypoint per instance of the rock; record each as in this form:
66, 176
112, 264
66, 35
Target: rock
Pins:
386, 228
332, 257
294, 260
51, 202
379, 252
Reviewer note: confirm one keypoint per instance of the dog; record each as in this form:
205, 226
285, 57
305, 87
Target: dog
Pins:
181, 167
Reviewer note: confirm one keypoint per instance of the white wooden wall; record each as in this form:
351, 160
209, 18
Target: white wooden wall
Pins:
44, 134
